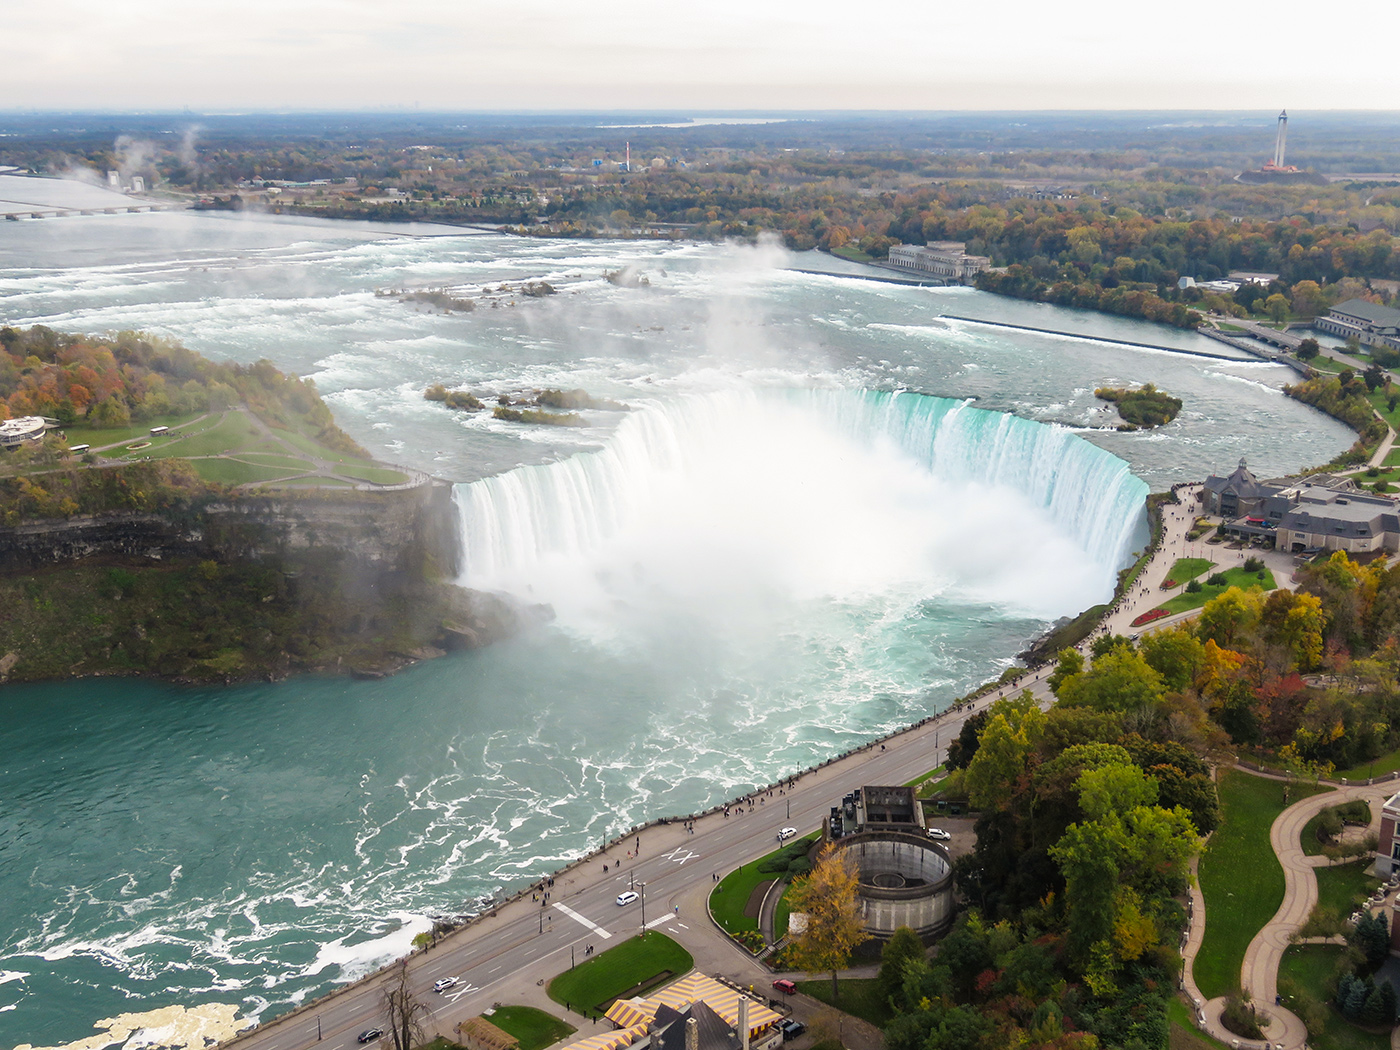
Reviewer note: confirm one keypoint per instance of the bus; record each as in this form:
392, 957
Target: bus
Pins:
158, 431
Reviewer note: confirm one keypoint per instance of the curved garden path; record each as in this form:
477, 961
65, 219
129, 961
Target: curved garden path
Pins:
1259, 973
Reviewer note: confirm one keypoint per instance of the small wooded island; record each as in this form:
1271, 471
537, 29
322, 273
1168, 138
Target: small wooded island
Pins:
1143, 408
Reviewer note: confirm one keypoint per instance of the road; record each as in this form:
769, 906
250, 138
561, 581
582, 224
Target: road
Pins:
523, 944
526, 941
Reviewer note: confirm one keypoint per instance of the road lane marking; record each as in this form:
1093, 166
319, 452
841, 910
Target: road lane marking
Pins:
465, 990
680, 855
586, 922
657, 922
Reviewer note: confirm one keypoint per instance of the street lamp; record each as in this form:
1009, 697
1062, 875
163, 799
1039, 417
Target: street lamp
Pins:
643, 885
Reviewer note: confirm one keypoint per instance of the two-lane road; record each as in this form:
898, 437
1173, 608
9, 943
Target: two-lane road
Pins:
525, 940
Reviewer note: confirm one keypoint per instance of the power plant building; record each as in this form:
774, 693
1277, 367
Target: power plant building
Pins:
946, 260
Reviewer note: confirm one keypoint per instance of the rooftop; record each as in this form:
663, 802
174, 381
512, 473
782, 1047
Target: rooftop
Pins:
1373, 313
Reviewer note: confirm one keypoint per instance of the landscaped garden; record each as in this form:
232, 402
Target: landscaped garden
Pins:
1241, 879
1307, 981
1237, 577
733, 903
635, 967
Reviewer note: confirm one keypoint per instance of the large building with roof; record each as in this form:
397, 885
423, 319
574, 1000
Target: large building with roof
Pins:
1370, 323
947, 260
695, 1013
18, 431
1322, 513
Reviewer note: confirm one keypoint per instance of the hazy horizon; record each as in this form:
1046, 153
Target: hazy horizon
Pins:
726, 55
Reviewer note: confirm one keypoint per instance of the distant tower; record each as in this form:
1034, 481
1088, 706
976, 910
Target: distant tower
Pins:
629, 156
1282, 138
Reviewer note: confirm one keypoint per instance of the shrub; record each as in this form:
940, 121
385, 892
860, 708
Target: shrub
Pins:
1241, 1018
1194, 587
1217, 579
1253, 564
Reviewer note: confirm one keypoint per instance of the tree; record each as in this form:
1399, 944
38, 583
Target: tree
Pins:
1308, 349
903, 946
1118, 681
1276, 306
406, 1014
1175, 654
834, 925
1309, 300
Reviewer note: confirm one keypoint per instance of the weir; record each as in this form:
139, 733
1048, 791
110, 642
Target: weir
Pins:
561, 511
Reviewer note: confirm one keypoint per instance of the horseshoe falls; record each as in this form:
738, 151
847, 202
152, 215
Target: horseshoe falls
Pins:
716, 505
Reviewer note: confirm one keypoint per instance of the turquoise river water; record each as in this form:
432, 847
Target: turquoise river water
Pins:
783, 549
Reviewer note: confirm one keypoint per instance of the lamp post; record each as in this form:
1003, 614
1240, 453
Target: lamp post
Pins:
643, 885
318, 1028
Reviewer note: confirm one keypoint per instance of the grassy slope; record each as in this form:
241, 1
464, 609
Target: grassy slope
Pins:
534, 1028
1310, 968
1345, 886
589, 986
1241, 879
858, 996
727, 900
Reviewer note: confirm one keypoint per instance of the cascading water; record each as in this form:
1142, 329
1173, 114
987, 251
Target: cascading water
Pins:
736, 499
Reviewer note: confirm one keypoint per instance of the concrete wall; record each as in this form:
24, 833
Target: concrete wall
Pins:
927, 909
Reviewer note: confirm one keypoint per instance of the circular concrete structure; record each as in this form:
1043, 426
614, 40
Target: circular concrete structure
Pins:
905, 880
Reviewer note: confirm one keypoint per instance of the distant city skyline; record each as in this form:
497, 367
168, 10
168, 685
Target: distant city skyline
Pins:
719, 55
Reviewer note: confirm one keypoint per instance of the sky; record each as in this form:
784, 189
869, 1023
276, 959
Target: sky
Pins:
723, 55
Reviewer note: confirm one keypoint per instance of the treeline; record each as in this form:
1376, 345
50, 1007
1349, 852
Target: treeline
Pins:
132, 378
1346, 397
167, 486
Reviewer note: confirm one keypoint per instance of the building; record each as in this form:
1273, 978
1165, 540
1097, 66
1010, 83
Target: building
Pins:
1388, 845
695, 1013
946, 260
1372, 325
15, 432
904, 878
1322, 513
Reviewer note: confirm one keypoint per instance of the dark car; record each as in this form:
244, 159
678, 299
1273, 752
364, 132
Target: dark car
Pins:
792, 1029
369, 1035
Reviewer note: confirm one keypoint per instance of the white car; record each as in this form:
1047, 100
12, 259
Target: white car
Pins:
624, 899
939, 835
444, 984
787, 833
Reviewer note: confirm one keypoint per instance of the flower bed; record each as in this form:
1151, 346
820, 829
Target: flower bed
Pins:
1169, 584
1149, 616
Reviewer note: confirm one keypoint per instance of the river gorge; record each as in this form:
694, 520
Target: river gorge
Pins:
825, 513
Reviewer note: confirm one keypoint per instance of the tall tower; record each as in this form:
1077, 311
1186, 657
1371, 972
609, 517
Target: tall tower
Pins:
1282, 138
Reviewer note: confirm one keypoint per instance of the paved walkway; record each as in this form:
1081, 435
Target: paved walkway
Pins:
1259, 972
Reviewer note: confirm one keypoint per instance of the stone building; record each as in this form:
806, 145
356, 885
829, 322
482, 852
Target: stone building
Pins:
947, 260
1372, 325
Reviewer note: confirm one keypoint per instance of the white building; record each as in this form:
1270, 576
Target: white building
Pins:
947, 260
15, 432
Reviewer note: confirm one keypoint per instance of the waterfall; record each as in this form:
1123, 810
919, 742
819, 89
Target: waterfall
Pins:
835, 484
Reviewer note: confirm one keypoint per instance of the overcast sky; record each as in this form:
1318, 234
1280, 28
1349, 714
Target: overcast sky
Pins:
696, 54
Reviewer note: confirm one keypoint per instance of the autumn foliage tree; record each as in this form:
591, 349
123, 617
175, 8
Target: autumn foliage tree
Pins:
827, 896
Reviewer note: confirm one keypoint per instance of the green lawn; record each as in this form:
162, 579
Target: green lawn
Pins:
1187, 569
642, 961
1377, 768
1345, 887
534, 1028
854, 254
1233, 578
1307, 971
1241, 879
81, 434
727, 900
1327, 364
264, 459
232, 472
1184, 1035
378, 475
858, 996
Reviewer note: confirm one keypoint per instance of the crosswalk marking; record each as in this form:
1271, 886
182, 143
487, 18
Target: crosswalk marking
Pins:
586, 922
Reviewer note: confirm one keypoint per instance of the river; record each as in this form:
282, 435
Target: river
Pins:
780, 550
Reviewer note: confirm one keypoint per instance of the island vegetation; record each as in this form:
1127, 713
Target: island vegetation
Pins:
1142, 408
225, 546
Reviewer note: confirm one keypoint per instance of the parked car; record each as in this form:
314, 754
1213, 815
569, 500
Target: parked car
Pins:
939, 835
792, 1029
369, 1035
444, 984
787, 833
624, 899
785, 986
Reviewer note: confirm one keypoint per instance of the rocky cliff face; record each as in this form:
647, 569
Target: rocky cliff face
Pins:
409, 531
